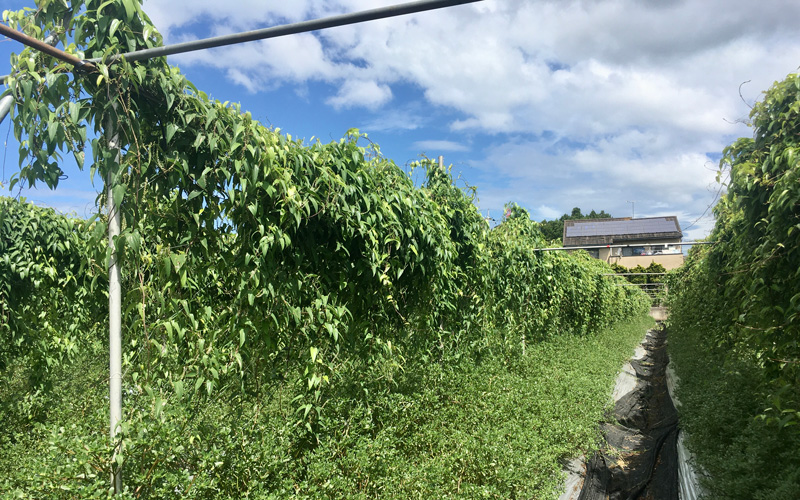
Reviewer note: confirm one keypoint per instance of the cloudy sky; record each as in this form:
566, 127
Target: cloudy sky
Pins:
550, 104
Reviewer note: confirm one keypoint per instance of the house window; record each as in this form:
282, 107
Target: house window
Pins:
632, 251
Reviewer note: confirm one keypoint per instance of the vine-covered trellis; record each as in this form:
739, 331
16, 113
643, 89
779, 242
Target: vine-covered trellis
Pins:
256, 266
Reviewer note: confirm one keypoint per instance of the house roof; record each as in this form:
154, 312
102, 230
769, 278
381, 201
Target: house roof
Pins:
620, 230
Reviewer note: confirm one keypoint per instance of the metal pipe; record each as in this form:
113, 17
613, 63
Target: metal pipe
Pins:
592, 247
45, 47
5, 106
634, 274
114, 306
51, 40
247, 36
290, 29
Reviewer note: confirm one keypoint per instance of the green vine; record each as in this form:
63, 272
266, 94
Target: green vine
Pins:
256, 268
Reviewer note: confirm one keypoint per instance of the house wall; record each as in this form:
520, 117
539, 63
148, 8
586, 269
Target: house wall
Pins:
668, 260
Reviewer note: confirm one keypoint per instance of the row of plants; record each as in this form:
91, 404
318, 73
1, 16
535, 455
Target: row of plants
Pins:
180, 432
734, 315
292, 313
651, 279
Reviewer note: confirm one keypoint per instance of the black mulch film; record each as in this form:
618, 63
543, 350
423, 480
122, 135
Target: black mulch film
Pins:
639, 459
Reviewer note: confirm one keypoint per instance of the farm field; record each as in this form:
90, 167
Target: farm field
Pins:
296, 319
495, 427
246, 314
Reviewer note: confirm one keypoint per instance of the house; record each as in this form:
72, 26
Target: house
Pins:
647, 240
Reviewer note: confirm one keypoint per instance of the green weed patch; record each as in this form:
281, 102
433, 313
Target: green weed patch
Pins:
740, 456
499, 428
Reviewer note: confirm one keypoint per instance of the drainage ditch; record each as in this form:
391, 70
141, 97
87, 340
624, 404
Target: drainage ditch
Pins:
639, 459
639, 455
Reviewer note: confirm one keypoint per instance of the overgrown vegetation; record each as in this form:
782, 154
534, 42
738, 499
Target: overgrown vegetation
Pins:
299, 319
734, 315
651, 279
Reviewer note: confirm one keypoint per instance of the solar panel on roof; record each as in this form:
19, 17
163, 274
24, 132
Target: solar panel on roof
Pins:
637, 226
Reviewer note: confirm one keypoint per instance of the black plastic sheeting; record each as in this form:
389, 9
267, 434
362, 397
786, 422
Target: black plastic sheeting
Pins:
639, 459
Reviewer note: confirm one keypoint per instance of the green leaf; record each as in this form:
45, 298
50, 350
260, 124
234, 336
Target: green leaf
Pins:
114, 25
130, 9
118, 192
171, 129
178, 385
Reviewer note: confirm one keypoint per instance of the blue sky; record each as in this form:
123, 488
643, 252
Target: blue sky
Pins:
550, 104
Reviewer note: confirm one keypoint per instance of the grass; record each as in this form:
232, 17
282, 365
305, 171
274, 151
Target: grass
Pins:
740, 456
499, 429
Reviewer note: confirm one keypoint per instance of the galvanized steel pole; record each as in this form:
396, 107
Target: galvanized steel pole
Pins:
5, 106
114, 305
247, 36
290, 29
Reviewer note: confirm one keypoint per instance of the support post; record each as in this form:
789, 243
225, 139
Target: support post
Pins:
441, 162
114, 306
5, 106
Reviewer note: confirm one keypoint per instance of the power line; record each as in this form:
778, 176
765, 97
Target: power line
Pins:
713, 202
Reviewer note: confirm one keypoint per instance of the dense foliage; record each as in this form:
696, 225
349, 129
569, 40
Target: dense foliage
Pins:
43, 263
738, 303
651, 279
554, 229
285, 304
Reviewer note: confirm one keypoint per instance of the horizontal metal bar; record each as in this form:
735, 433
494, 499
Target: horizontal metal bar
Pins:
248, 36
290, 29
591, 247
634, 274
45, 47
644, 285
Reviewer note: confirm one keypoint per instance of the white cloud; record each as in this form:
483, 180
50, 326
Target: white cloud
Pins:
172, 15
397, 120
434, 146
545, 212
603, 175
630, 95
361, 93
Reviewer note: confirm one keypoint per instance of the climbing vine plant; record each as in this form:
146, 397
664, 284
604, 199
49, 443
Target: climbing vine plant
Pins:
747, 282
255, 267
